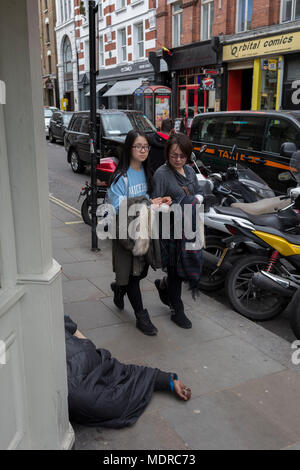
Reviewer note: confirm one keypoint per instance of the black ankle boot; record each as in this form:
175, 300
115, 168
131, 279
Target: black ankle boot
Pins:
144, 324
162, 288
119, 293
181, 320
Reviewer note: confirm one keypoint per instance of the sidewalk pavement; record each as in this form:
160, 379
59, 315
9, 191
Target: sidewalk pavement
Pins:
245, 389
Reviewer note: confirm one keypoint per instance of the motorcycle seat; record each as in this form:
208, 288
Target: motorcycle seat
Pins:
264, 206
264, 220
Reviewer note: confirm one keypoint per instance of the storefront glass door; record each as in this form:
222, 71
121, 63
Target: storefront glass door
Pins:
269, 79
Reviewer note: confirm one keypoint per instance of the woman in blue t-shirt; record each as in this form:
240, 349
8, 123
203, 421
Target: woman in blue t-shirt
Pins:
132, 179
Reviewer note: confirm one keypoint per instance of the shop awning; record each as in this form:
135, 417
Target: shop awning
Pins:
124, 87
98, 88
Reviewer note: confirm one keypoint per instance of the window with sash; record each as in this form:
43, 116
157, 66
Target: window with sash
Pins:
207, 19
290, 10
177, 24
244, 15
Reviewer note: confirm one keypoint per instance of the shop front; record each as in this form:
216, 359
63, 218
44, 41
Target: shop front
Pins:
263, 73
194, 70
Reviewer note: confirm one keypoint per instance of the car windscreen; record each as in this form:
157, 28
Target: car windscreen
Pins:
121, 123
48, 113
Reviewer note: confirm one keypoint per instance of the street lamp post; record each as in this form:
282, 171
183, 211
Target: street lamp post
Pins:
93, 8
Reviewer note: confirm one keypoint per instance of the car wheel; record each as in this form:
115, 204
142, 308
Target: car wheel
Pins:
76, 164
51, 138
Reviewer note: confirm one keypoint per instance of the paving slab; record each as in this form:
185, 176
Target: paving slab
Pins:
222, 421
215, 365
90, 314
62, 256
65, 231
69, 242
149, 432
275, 397
127, 344
86, 269
76, 291
83, 254
103, 282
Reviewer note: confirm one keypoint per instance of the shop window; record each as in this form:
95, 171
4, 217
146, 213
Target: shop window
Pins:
207, 18
176, 24
290, 10
244, 15
280, 131
191, 80
182, 80
269, 83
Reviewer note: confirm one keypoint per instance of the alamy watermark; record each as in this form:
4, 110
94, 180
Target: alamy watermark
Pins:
296, 354
2, 353
139, 221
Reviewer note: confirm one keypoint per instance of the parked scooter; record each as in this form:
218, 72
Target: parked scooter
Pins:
235, 186
271, 253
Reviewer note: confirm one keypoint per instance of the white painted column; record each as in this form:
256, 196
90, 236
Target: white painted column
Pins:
33, 383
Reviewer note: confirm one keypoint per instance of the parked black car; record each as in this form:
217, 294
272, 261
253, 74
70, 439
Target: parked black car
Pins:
115, 124
58, 125
264, 140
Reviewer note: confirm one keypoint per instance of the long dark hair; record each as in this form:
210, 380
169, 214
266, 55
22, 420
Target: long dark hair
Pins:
124, 162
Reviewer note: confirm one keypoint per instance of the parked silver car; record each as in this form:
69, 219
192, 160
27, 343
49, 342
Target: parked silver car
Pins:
48, 113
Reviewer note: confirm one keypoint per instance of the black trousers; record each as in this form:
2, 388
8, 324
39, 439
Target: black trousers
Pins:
174, 284
134, 293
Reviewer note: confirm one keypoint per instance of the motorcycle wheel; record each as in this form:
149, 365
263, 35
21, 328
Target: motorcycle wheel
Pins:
209, 281
86, 210
294, 315
249, 301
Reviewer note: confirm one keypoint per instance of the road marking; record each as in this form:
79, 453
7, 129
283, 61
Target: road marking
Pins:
75, 222
65, 206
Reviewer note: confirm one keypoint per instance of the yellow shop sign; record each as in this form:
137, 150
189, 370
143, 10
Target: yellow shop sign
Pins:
262, 46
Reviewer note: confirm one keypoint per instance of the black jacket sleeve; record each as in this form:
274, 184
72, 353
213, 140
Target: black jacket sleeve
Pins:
163, 380
70, 326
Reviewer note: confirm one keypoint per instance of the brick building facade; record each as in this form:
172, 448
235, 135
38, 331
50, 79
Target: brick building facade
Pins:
47, 22
201, 35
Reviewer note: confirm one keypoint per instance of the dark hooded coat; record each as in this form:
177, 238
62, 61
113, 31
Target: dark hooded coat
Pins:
101, 390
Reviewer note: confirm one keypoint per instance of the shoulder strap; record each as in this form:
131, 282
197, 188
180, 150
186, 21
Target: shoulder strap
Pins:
126, 183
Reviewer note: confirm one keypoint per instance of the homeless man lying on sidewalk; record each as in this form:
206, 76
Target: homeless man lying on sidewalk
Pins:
104, 392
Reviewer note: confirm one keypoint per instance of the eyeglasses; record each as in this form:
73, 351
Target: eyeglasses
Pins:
140, 147
176, 156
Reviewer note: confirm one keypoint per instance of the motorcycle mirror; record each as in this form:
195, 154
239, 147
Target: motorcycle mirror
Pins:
285, 176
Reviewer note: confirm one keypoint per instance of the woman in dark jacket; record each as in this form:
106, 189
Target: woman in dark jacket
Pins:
179, 181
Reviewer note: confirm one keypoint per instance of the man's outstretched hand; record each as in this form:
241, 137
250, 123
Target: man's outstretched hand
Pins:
182, 391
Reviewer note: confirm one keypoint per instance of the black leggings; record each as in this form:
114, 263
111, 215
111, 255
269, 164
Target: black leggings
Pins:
134, 293
174, 283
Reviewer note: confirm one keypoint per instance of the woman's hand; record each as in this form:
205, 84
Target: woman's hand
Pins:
182, 391
157, 201
162, 200
167, 200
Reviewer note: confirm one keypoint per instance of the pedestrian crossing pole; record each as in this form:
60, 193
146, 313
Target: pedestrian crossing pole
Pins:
93, 9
